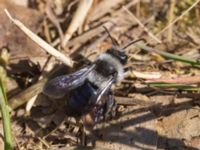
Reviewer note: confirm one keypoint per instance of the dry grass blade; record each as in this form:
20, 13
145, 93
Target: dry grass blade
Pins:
178, 18
77, 20
48, 48
146, 75
171, 17
180, 80
175, 86
27, 94
142, 26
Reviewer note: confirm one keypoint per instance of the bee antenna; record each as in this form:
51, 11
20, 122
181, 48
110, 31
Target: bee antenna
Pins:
132, 42
114, 41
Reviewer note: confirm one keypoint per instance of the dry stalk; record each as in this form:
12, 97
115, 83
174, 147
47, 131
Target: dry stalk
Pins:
171, 17
179, 17
77, 20
178, 80
138, 8
48, 48
142, 26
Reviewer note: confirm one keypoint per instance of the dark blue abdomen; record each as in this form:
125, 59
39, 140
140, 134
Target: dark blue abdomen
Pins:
80, 96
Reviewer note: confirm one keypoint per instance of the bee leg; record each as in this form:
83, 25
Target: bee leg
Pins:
110, 103
94, 136
90, 137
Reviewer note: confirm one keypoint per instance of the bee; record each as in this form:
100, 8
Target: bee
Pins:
89, 89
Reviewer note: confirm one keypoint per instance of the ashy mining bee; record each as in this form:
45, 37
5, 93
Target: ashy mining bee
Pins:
89, 89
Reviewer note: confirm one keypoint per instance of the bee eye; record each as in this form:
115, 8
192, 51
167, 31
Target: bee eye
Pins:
123, 59
120, 55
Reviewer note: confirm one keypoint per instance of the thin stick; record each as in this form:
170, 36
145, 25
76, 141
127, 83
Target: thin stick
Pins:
48, 48
141, 25
171, 17
178, 18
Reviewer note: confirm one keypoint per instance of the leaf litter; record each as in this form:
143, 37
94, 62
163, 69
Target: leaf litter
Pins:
146, 117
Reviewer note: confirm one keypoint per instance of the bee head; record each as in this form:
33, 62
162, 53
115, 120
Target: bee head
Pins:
114, 59
116, 51
118, 54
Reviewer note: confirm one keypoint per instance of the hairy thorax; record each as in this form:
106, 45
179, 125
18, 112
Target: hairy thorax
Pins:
106, 67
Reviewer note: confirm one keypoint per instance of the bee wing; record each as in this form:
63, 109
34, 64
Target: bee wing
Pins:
61, 85
97, 97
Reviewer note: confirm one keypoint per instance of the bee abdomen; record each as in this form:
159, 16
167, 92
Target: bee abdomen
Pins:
79, 97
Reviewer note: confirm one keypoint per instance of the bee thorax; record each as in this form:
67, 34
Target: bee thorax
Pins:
97, 79
109, 64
